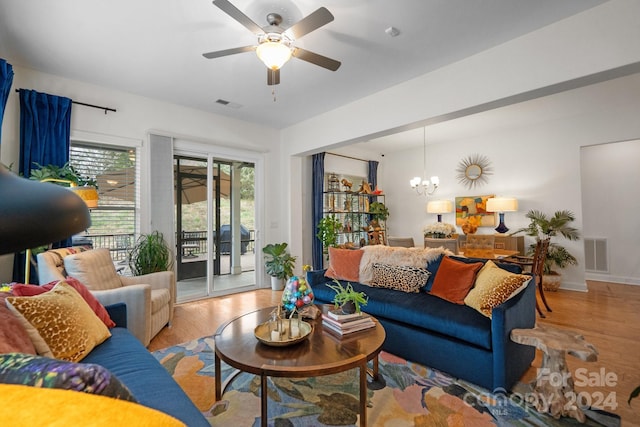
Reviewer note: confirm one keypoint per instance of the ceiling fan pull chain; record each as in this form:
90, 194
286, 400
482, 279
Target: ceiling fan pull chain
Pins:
273, 87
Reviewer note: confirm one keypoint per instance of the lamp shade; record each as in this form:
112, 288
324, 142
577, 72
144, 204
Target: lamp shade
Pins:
502, 204
34, 213
439, 206
273, 54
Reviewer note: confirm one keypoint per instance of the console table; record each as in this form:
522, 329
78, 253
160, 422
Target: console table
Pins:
502, 242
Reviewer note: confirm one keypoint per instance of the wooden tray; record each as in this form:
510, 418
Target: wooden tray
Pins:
263, 334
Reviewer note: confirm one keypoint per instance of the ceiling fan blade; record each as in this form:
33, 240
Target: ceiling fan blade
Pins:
273, 77
309, 23
316, 59
219, 53
236, 14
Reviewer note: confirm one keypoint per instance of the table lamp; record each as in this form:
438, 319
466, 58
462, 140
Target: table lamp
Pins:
502, 205
439, 207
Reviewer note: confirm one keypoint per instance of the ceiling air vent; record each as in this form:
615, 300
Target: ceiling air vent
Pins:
228, 103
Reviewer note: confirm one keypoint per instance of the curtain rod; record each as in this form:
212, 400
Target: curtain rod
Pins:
348, 157
89, 105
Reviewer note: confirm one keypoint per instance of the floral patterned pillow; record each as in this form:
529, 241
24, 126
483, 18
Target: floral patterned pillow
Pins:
38, 371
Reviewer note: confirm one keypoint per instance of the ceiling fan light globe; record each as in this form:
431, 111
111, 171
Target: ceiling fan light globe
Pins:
273, 54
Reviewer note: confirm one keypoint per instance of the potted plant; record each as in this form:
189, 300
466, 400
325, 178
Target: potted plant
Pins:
439, 230
328, 229
347, 298
65, 173
150, 254
279, 264
378, 211
542, 227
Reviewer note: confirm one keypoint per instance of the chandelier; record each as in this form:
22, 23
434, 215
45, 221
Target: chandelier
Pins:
424, 186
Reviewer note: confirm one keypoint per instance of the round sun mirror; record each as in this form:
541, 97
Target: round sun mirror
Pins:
473, 172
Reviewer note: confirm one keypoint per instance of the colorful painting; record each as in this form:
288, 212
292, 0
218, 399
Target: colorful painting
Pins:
474, 208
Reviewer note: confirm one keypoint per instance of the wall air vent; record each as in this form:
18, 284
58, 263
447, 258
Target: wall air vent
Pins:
596, 255
228, 103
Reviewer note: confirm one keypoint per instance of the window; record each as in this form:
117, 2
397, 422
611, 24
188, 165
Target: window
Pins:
113, 222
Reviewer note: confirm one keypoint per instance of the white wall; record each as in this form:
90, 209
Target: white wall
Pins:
540, 165
611, 204
136, 116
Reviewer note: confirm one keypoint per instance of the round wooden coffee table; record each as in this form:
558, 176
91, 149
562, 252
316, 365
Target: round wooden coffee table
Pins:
321, 354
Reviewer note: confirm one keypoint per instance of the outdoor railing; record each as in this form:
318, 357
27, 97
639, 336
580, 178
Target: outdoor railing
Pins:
118, 244
193, 243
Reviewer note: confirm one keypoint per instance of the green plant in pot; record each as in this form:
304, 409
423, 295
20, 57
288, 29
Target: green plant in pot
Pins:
150, 254
378, 211
65, 173
541, 227
347, 298
328, 229
279, 264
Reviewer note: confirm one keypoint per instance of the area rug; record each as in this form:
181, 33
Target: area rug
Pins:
407, 394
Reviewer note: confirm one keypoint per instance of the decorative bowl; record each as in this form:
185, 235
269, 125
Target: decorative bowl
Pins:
263, 333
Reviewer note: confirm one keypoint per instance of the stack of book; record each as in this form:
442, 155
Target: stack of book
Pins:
342, 324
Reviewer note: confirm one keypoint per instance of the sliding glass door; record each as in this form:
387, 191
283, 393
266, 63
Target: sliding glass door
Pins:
215, 226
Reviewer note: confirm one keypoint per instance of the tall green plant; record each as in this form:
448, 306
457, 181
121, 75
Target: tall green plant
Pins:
559, 225
328, 229
150, 254
278, 262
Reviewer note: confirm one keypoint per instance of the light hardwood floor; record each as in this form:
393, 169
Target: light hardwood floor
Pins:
608, 316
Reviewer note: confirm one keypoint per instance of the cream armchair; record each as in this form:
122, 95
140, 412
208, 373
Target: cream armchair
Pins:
149, 298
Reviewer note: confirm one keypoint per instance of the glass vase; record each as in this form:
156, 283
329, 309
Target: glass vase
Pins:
296, 294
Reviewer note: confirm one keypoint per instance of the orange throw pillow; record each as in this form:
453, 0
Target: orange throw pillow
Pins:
454, 279
344, 264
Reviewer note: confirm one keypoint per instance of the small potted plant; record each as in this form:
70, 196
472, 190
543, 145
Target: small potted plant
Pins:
150, 254
279, 264
378, 211
65, 173
347, 298
439, 230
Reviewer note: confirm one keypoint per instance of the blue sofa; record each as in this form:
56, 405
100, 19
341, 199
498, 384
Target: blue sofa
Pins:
452, 338
144, 376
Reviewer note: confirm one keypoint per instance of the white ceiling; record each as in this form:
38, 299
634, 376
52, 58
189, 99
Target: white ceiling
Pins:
154, 47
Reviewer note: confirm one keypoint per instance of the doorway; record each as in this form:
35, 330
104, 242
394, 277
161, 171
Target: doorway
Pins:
215, 226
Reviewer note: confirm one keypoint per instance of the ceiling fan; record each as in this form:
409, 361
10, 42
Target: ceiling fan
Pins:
275, 44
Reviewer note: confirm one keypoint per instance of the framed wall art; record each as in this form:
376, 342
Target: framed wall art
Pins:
474, 208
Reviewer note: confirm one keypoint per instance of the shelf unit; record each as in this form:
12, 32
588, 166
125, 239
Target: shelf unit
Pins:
352, 210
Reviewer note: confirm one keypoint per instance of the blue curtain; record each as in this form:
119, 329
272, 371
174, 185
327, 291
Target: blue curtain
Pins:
317, 213
6, 78
45, 127
372, 175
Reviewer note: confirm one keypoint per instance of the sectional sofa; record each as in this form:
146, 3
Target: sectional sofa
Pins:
422, 327
114, 382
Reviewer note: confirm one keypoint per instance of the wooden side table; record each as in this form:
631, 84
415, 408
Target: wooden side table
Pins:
553, 387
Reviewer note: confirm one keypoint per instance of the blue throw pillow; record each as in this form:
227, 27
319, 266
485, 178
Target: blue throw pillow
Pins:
432, 267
